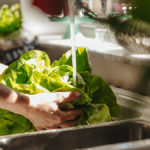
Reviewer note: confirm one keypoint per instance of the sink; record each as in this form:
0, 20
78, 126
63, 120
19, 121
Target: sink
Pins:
133, 125
131, 130
80, 137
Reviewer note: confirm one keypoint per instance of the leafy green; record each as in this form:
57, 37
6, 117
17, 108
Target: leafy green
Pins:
101, 93
10, 19
82, 60
95, 87
32, 73
94, 113
11, 123
23, 74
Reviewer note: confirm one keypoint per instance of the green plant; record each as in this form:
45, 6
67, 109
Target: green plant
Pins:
10, 19
33, 73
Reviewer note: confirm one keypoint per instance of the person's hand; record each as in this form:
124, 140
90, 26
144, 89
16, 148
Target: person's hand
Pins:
41, 109
44, 113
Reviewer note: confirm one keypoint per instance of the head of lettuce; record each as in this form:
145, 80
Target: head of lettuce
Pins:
33, 73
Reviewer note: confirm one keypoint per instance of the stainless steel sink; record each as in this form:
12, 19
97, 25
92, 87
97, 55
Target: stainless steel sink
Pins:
133, 125
77, 138
129, 131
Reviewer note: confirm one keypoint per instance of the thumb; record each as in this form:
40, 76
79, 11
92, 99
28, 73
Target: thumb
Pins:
67, 96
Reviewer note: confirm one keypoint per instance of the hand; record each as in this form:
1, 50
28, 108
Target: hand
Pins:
44, 113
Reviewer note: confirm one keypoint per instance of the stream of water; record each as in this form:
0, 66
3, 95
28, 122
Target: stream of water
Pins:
72, 31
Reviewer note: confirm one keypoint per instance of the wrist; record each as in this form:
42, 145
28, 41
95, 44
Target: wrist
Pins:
22, 103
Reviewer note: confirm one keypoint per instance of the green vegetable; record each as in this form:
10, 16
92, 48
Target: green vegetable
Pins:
101, 93
32, 73
11, 123
82, 60
94, 113
10, 19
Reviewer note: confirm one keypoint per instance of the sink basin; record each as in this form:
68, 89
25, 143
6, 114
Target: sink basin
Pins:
132, 125
131, 130
78, 138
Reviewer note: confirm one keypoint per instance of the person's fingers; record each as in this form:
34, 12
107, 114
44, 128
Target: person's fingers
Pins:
67, 96
63, 125
39, 128
66, 124
69, 115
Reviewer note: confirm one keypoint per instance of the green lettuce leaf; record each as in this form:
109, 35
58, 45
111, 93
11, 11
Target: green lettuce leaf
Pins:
21, 75
81, 59
11, 123
101, 93
10, 19
94, 113
32, 73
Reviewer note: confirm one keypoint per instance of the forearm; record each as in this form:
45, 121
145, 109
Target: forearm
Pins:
13, 101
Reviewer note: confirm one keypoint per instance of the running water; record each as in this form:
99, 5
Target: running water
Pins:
72, 31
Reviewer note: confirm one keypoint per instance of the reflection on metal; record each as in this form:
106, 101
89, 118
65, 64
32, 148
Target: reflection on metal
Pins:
81, 137
144, 85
